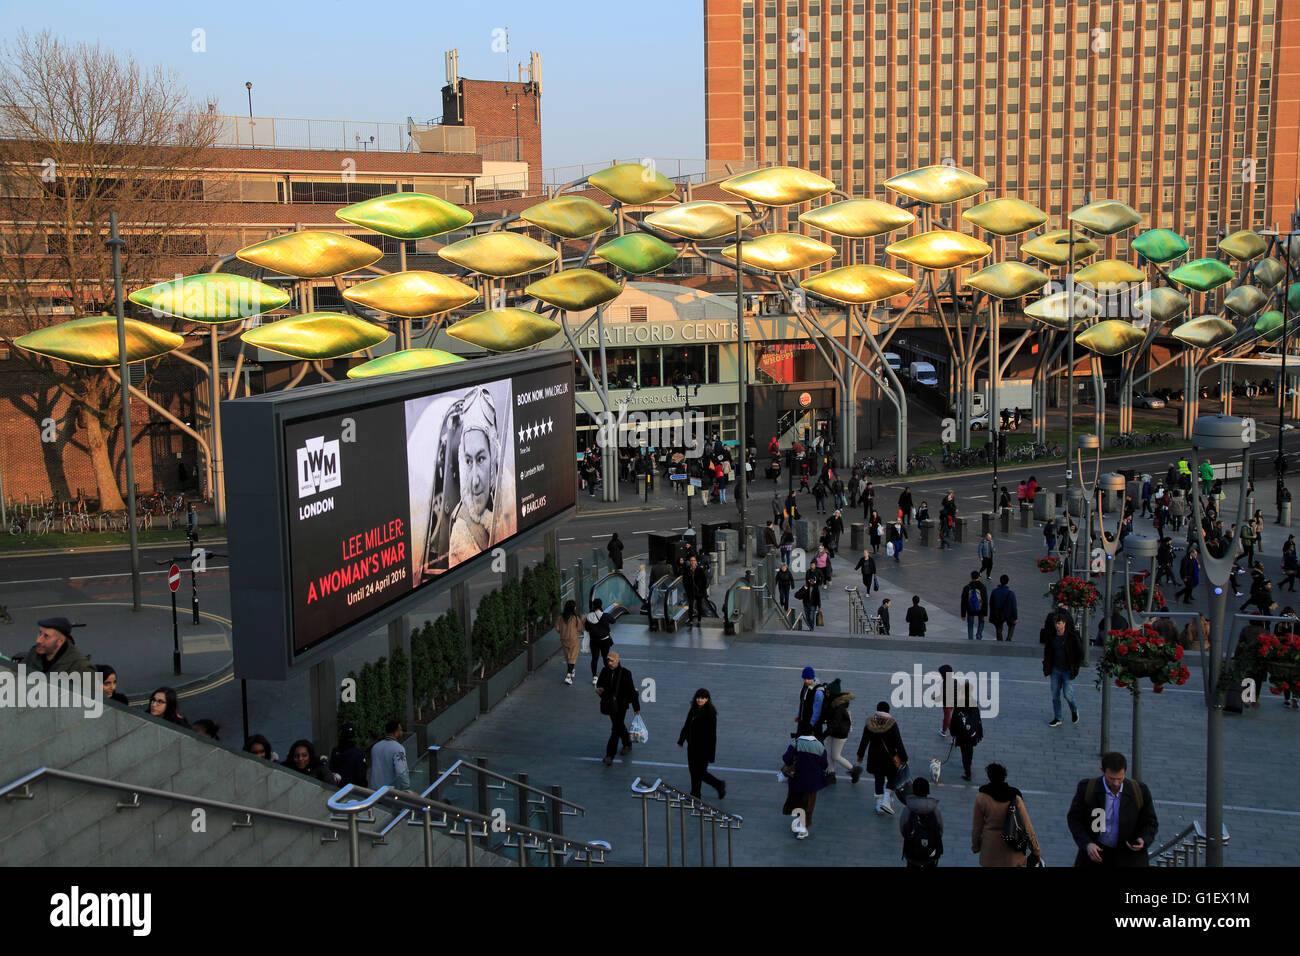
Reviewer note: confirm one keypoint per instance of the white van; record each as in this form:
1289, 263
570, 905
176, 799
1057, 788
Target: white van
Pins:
923, 373
894, 361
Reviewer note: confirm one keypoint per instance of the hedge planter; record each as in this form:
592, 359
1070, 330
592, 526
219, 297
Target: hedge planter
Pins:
541, 650
453, 719
493, 689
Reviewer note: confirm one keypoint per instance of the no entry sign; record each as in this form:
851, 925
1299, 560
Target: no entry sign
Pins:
174, 578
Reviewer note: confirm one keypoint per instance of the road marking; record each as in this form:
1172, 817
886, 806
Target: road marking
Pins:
593, 536
123, 574
568, 539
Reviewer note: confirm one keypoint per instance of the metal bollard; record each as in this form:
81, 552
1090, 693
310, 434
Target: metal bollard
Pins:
1008, 525
986, 523
1286, 514
927, 534
1026, 512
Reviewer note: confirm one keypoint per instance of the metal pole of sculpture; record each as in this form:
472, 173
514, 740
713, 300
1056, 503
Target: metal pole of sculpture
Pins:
742, 389
1114, 483
115, 243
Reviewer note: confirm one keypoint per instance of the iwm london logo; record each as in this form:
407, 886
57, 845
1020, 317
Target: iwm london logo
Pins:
318, 467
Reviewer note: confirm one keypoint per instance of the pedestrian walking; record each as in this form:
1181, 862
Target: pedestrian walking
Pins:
882, 753
569, 626
1002, 608
819, 496
811, 597
985, 550
599, 640
821, 561
1049, 536
787, 545
905, 506
696, 583
974, 607
839, 724
867, 565
615, 549
1062, 655
388, 760
1290, 567
700, 736
836, 525
1189, 569
916, 618
617, 691
804, 766
811, 716
784, 582
992, 804
868, 499
921, 826
347, 759
875, 530
966, 727
882, 612
896, 535
1207, 477
1127, 812
949, 698
778, 510
1165, 561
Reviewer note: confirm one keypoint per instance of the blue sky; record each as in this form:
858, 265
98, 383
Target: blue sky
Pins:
618, 79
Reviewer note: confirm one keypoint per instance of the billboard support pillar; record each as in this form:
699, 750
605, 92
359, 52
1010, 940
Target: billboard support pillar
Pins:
512, 567
399, 636
324, 705
551, 545
460, 606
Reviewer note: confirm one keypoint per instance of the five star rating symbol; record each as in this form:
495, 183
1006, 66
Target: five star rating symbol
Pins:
529, 432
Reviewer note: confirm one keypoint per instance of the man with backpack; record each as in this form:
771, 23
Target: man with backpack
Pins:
974, 607
922, 827
1123, 806
812, 715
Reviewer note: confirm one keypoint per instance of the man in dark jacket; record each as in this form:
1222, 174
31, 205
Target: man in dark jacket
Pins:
1112, 820
56, 652
1002, 608
916, 618
812, 715
347, 760
784, 582
617, 692
905, 506
615, 549
696, 582
882, 612
597, 626
835, 523
868, 499
974, 607
1062, 655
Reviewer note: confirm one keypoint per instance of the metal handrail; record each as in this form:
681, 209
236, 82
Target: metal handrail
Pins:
23, 782
412, 803
670, 796
455, 768
1191, 838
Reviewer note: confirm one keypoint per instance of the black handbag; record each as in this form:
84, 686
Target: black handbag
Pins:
1014, 833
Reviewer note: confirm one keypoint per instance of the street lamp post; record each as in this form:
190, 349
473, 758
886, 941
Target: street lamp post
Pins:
1112, 482
1224, 434
1139, 546
115, 243
743, 387
1280, 466
251, 124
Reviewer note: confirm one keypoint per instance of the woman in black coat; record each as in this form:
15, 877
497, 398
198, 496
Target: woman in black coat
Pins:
700, 735
875, 528
882, 746
615, 549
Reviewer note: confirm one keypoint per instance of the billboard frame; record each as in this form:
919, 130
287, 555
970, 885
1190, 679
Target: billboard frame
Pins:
261, 591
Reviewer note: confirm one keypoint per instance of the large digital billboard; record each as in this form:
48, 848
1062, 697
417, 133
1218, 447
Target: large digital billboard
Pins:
382, 489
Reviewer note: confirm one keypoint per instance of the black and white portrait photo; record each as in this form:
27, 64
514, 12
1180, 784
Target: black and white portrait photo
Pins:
460, 455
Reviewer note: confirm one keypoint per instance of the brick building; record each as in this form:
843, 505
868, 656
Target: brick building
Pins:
1187, 110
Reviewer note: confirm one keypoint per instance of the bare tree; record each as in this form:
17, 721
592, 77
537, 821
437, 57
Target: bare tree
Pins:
84, 133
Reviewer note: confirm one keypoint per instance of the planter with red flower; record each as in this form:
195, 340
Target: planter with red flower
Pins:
1075, 593
1139, 590
1049, 565
1281, 654
1132, 655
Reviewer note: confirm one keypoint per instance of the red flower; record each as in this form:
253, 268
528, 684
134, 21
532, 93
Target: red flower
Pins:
1120, 683
1276, 690
1121, 649
1178, 653
1159, 688
1159, 641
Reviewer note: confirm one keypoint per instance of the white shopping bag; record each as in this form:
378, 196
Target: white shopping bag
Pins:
637, 730
889, 548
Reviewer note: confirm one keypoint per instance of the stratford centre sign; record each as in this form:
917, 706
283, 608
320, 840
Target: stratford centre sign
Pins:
666, 333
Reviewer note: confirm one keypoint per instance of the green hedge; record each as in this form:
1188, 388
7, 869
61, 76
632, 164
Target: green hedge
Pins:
507, 618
